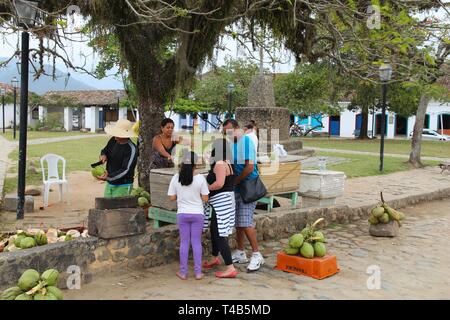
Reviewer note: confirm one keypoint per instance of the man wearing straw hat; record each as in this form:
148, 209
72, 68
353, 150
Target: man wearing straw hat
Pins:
120, 155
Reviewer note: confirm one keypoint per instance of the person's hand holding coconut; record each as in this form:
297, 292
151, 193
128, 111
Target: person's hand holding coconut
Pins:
103, 176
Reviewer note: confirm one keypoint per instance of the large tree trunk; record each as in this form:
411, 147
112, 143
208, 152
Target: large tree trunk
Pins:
364, 123
151, 112
154, 80
414, 156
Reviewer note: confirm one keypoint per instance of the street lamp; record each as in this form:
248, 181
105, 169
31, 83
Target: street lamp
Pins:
26, 14
230, 88
385, 76
15, 85
3, 92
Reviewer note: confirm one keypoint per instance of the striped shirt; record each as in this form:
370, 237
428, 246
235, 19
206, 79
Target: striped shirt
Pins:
225, 207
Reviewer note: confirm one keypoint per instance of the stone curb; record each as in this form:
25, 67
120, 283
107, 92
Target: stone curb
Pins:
160, 246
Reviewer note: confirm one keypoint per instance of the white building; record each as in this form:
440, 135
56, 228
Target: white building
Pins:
349, 122
98, 108
7, 109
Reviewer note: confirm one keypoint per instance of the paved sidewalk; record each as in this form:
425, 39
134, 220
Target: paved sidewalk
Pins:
6, 147
393, 155
413, 265
57, 139
366, 190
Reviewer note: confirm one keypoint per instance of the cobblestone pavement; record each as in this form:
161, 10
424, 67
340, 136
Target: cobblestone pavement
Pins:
414, 265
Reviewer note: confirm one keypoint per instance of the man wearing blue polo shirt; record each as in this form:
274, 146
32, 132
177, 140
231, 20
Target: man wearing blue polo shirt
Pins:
245, 168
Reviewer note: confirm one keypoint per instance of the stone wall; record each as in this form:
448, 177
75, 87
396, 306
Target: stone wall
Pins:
157, 247
266, 119
94, 255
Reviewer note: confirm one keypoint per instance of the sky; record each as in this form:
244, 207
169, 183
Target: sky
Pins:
76, 50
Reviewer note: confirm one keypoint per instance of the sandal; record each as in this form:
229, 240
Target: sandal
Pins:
224, 274
216, 262
199, 276
179, 275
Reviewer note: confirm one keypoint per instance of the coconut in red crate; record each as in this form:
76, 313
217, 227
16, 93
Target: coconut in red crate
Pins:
309, 243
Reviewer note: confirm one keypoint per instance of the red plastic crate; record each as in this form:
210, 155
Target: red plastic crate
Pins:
317, 268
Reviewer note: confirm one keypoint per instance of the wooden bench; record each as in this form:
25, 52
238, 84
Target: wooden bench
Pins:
268, 199
281, 179
159, 215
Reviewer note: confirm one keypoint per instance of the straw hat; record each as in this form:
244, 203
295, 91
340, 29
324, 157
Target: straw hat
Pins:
122, 129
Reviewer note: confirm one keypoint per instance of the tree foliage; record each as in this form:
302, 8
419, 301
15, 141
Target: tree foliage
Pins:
163, 43
310, 89
212, 89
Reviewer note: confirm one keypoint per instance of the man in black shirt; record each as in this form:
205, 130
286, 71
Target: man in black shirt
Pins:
120, 155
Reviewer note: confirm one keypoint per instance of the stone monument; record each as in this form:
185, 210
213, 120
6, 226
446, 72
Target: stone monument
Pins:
261, 108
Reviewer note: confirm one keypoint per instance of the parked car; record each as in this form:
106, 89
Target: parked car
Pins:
428, 134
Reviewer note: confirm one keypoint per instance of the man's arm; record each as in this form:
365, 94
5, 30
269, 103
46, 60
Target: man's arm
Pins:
105, 152
248, 169
249, 155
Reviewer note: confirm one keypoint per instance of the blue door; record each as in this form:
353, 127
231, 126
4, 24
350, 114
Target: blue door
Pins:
358, 125
358, 122
335, 124
101, 122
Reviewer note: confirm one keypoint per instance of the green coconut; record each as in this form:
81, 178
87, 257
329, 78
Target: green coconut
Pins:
319, 249
296, 240
97, 171
307, 250
291, 251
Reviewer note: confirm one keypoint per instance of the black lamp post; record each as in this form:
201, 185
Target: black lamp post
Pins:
15, 84
385, 76
26, 12
230, 88
3, 92
118, 102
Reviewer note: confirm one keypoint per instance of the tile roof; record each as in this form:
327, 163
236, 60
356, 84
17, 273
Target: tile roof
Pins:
88, 97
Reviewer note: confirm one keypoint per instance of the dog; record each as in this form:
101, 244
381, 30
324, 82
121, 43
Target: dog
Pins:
444, 166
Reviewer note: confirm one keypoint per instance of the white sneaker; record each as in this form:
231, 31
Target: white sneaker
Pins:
256, 261
239, 256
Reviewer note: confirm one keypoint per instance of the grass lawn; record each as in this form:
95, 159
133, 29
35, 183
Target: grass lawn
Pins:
363, 166
429, 148
79, 154
40, 134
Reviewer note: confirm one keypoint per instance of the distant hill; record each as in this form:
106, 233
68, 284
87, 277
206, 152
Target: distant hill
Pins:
40, 86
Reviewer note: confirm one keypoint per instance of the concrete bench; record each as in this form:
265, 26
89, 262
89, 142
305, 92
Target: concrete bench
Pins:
321, 188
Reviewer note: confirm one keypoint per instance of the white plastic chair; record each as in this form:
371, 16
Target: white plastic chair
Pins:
53, 175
